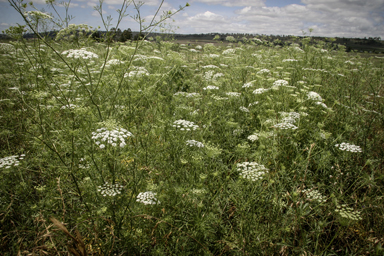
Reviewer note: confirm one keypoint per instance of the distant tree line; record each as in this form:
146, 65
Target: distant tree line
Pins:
117, 35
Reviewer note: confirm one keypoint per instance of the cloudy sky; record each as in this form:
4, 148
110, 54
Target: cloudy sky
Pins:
330, 18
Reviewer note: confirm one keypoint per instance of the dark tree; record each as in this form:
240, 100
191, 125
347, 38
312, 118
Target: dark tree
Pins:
96, 36
126, 35
138, 36
117, 36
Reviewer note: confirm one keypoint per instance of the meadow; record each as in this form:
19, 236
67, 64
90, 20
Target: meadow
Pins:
159, 148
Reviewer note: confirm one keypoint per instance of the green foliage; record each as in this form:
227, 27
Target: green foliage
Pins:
126, 35
15, 32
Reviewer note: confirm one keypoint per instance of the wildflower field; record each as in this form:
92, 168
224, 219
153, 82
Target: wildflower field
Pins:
158, 148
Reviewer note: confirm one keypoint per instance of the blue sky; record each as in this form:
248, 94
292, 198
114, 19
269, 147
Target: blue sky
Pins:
330, 18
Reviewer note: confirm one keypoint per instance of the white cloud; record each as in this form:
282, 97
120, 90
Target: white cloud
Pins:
97, 14
4, 24
258, 3
207, 17
208, 22
120, 2
348, 18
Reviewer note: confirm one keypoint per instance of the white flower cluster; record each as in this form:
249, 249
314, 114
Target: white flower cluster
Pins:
251, 170
211, 87
249, 84
195, 112
253, 103
214, 55
112, 137
298, 49
194, 143
6, 47
237, 132
69, 106
216, 97
184, 125
314, 96
314, 69
289, 60
208, 75
348, 147
349, 62
260, 91
229, 51
290, 117
259, 56
217, 75
230, 39
193, 50
146, 198
233, 94
140, 57
197, 191
321, 104
280, 82
285, 126
347, 212
244, 109
210, 66
113, 62
83, 164
137, 73
110, 189
188, 95
82, 53
314, 195
263, 71
37, 15
257, 40
253, 137
10, 161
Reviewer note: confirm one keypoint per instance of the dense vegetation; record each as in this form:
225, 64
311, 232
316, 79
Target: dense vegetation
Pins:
238, 149
158, 148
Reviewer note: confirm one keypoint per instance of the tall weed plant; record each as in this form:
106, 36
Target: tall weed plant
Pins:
158, 148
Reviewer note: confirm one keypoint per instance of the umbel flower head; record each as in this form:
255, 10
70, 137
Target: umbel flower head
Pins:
146, 198
263, 71
33, 15
314, 195
10, 161
285, 126
314, 96
110, 189
289, 117
348, 213
6, 47
194, 143
280, 82
82, 53
251, 170
253, 137
348, 147
211, 87
184, 125
260, 91
113, 137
